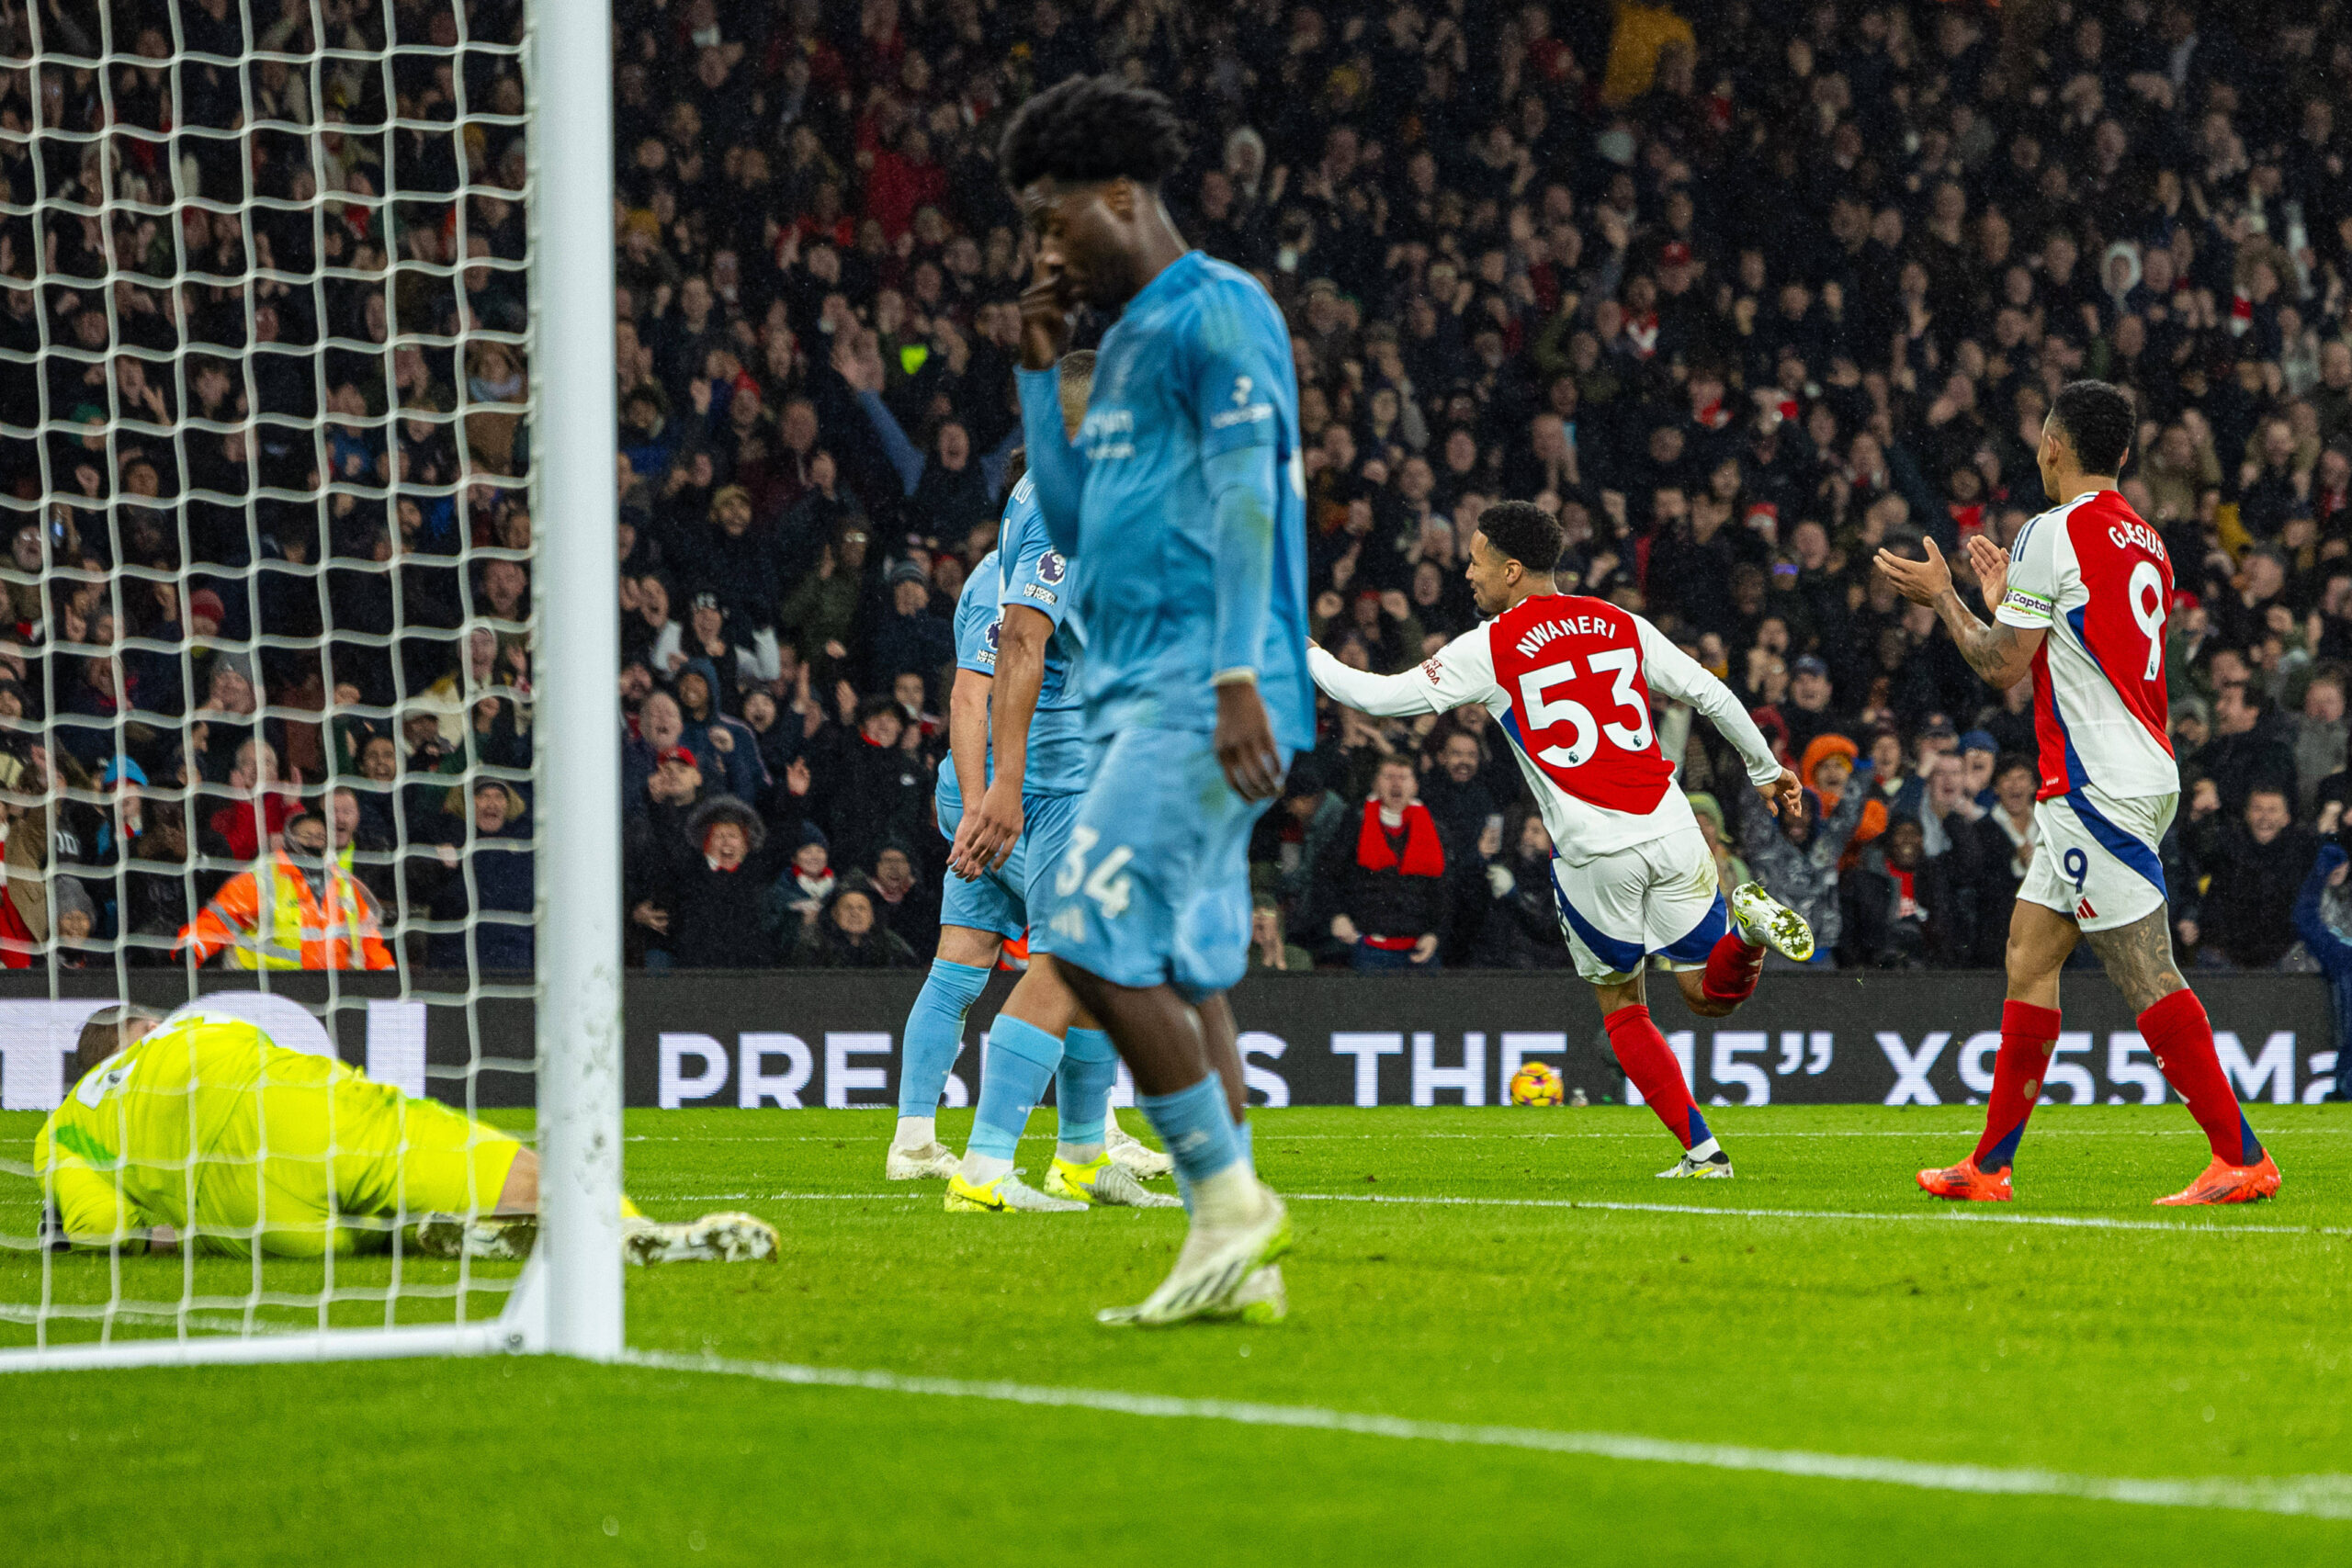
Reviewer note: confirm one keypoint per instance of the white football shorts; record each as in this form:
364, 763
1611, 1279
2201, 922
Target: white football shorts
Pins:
1660, 897
2096, 862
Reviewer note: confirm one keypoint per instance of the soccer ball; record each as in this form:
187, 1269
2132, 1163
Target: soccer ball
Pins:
1537, 1084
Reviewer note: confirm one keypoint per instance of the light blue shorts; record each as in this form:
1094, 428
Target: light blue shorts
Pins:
1001, 900
1153, 886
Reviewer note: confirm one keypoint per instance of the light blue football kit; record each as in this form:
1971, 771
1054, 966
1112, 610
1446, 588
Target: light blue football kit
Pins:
1025, 569
992, 902
1184, 501
935, 1024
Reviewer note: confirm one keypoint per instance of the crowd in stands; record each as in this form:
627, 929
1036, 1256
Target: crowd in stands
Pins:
1743, 290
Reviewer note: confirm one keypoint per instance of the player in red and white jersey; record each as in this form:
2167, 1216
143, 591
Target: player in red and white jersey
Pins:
2079, 602
1570, 680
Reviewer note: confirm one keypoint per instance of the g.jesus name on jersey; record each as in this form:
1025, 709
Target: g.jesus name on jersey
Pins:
1570, 680
2097, 579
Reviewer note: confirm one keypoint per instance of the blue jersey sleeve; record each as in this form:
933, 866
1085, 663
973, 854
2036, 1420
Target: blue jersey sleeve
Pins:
1238, 370
1032, 575
1058, 467
977, 619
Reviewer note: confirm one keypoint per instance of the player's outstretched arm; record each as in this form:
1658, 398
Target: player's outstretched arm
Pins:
1456, 675
2000, 652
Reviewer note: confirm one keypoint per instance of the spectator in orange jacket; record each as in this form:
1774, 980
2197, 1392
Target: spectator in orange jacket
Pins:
299, 910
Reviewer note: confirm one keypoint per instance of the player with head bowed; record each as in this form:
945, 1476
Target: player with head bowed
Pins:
2079, 604
1570, 680
1008, 800
1181, 499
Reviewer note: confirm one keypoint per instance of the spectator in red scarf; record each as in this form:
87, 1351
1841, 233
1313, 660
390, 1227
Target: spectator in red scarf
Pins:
1390, 878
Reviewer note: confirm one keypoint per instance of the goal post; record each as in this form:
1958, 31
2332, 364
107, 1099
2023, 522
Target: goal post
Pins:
264, 287
579, 950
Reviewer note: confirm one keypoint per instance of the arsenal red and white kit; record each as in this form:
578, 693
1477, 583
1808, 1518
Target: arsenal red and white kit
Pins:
1571, 680
2096, 580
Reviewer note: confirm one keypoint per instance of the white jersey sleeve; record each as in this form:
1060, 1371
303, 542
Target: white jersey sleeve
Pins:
2031, 603
1674, 674
1460, 673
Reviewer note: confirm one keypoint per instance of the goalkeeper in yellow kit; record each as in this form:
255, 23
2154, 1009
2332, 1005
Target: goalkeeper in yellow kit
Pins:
197, 1127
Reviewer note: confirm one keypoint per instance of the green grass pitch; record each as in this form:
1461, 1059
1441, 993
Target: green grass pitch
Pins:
2198, 1346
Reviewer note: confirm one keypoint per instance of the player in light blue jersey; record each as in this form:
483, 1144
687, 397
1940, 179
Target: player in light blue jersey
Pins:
974, 917
1182, 499
1012, 765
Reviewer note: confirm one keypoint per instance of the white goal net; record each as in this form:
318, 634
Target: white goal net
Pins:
275, 672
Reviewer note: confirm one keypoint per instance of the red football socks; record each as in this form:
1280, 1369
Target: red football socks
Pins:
2028, 1033
2181, 1034
1733, 968
1642, 1051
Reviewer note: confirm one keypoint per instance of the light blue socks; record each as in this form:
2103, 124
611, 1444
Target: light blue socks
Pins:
935, 1033
1197, 1128
1021, 1062
1082, 1088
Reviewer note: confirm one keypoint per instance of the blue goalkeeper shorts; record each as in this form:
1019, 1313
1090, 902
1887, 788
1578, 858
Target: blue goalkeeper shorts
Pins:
1153, 886
1001, 900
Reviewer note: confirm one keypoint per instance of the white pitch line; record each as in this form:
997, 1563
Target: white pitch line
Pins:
1275, 1135
2319, 1497
1926, 1216
1923, 1217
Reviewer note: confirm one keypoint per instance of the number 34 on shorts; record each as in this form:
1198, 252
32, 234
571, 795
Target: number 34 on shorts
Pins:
1104, 882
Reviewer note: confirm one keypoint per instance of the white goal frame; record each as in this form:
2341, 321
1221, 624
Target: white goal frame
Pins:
568, 1300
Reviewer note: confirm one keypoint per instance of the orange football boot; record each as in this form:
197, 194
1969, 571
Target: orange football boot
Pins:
1965, 1182
2226, 1183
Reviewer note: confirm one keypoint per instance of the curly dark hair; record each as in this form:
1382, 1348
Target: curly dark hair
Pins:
2098, 420
1092, 128
1525, 533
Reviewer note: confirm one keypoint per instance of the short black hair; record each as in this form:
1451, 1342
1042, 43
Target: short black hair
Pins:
1092, 128
2098, 421
1525, 533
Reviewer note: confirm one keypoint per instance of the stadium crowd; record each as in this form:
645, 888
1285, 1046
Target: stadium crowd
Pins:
1742, 290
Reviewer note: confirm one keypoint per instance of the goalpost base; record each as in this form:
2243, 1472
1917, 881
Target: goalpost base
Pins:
519, 1330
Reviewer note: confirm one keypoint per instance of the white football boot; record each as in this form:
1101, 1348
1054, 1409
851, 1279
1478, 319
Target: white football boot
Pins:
1708, 1160
1764, 921
1259, 1300
1103, 1182
1140, 1158
934, 1161
713, 1238
1215, 1262
486, 1237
